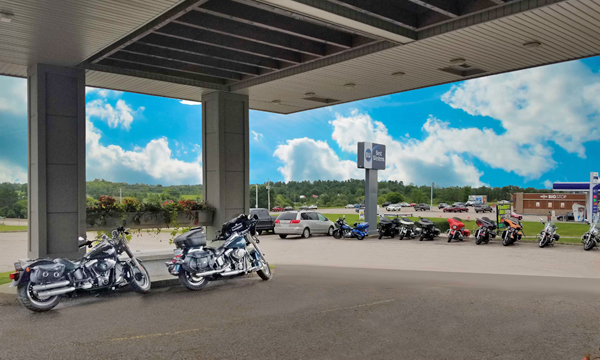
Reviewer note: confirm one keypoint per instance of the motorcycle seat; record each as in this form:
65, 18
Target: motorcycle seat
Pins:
69, 265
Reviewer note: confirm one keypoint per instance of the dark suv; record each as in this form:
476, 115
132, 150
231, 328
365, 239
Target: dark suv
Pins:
482, 208
422, 207
265, 221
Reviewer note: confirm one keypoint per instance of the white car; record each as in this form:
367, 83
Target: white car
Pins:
349, 206
303, 223
394, 207
312, 207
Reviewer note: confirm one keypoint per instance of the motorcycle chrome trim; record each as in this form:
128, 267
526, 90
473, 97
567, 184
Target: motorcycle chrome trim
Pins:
50, 286
55, 292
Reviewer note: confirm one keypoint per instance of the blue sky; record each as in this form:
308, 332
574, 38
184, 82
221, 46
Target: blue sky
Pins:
526, 128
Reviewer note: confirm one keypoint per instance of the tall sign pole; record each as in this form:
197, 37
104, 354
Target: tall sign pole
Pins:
256, 206
593, 197
268, 195
431, 205
371, 157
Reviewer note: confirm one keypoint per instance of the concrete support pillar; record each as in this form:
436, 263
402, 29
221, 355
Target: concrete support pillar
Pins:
56, 171
371, 199
225, 155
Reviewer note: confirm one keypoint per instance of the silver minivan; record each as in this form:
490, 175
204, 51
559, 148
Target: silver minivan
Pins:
303, 223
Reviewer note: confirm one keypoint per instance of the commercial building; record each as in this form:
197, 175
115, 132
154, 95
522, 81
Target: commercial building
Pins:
540, 204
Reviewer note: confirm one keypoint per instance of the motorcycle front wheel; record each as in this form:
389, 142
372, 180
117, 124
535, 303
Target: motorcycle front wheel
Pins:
141, 280
337, 234
30, 300
192, 282
265, 272
588, 245
543, 241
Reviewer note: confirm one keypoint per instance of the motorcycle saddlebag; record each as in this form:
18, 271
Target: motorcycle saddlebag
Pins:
199, 261
47, 273
556, 237
467, 232
193, 238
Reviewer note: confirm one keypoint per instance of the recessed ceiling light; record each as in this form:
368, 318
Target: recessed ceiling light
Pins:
532, 44
350, 85
310, 94
276, 101
398, 73
458, 61
6, 17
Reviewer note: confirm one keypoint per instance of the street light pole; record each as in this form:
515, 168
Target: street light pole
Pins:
268, 195
256, 206
431, 205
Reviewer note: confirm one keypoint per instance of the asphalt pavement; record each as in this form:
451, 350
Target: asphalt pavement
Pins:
308, 312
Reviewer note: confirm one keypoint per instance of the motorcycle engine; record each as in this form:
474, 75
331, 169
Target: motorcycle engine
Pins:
101, 269
237, 258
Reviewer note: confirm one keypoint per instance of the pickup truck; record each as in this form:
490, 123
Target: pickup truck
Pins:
482, 208
422, 207
265, 221
456, 208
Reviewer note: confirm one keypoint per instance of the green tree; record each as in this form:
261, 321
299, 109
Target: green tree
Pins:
394, 197
418, 196
11, 214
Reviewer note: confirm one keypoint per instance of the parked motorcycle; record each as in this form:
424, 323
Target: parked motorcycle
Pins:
343, 230
197, 264
548, 236
486, 231
427, 229
407, 228
41, 283
457, 230
513, 231
591, 238
388, 227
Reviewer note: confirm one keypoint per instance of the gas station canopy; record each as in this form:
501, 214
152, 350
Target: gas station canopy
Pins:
292, 55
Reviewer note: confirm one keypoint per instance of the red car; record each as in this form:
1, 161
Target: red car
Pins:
278, 208
412, 205
456, 208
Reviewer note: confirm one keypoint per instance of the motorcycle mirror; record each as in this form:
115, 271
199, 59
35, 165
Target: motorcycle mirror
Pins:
115, 234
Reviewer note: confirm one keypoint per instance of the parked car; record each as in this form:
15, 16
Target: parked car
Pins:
277, 208
265, 220
516, 216
303, 223
385, 204
459, 203
412, 204
405, 205
357, 210
567, 217
312, 207
456, 208
482, 208
350, 206
303, 207
442, 205
289, 208
422, 207
356, 206
470, 203
394, 207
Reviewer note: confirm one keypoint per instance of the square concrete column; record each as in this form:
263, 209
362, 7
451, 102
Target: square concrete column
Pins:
225, 155
371, 199
56, 171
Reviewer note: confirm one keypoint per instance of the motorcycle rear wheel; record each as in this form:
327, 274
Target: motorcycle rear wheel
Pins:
192, 283
360, 236
31, 302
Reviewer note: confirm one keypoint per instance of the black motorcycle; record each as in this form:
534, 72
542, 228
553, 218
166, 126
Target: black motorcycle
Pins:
388, 227
41, 283
407, 229
427, 229
197, 264
486, 231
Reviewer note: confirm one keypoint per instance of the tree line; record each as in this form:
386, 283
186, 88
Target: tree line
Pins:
334, 193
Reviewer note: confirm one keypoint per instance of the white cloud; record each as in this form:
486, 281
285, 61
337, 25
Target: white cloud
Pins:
105, 93
307, 159
556, 103
155, 159
256, 136
120, 115
13, 95
189, 102
10, 172
548, 184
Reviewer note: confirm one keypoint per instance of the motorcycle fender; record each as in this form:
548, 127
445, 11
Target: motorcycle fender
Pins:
22, 276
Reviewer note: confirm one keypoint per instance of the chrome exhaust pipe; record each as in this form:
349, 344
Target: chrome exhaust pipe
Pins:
51, 286
56, 292
230, 273
208, 273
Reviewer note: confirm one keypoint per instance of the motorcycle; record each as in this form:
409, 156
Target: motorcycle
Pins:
197, 264
548, 236
457, 230
388, 227
513, 231
343, 230
41, 283
486, 231
427, 229
407, 229
591, 239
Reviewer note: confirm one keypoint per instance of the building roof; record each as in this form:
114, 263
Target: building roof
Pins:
293, 55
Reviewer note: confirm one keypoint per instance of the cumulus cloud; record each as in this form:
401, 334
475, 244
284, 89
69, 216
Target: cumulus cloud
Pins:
120, 115
155, 159
308, 159
548, 184
10, 172
556, 103
103, 92
13, 97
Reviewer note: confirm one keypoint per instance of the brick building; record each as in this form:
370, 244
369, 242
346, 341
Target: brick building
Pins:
540, 204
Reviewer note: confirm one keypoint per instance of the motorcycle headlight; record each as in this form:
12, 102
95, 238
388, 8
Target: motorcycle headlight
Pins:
454, 227
595, 231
